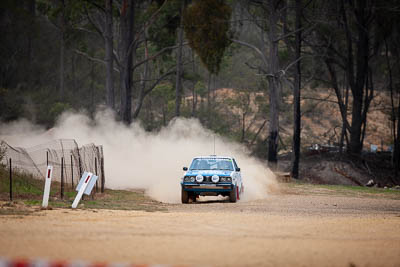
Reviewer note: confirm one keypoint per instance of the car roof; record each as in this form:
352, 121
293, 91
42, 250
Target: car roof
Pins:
213, 157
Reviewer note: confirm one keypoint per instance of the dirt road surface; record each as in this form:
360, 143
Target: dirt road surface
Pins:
285, 229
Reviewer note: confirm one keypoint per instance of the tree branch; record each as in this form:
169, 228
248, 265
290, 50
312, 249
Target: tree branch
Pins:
98, 30
294, 32
156, 55
143, 29
319, 99
95, 59
162, 77
258, 51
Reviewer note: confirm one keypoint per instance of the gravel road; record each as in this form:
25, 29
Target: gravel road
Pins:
284, 229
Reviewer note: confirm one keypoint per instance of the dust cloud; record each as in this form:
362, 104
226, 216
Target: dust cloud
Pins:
135, 158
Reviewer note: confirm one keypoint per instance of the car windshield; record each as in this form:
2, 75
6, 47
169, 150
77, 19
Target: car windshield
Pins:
212, 164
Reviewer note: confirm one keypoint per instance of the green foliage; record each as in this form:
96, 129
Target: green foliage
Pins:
162, 32
72, 10
206, 24
57, 108
23, 183
10, 104
283, 55
164, 90
190, 76
200, 89
47, 109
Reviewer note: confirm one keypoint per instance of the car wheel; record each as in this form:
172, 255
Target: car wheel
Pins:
233, 195
185, 196
193, 197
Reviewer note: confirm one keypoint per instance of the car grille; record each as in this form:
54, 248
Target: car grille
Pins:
207, 180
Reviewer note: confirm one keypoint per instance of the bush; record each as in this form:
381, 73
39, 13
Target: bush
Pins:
11, 102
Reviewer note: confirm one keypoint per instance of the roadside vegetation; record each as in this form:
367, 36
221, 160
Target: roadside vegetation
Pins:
299, 187
28, 194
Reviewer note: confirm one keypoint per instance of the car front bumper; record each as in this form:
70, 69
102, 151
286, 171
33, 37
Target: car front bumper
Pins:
195, 187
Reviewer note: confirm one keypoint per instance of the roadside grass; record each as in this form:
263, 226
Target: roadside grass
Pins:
300, 187
15, 209
28, 194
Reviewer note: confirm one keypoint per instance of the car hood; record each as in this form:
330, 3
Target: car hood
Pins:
209, 172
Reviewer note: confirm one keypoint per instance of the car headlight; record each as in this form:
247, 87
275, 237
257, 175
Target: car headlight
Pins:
199, 178
189, 179
215, 178
226, 179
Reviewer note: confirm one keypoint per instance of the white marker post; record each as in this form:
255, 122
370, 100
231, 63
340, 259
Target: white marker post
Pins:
46, 193
85, 186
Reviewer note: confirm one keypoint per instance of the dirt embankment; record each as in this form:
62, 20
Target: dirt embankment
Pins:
291, 228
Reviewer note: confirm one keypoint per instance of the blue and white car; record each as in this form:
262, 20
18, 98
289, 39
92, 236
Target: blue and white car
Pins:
212, 176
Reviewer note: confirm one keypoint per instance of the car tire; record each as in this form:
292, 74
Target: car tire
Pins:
233, 195
185, 196
192, 196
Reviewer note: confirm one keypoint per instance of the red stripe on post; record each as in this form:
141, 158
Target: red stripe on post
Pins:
58, 264
20, 263
87, 179
48, 173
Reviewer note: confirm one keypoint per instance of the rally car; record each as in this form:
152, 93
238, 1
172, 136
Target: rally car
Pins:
212, 176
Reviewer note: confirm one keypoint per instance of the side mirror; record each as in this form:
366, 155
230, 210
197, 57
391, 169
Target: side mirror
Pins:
238, 169
185, 168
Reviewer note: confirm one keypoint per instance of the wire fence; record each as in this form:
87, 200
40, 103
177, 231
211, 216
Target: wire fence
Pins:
69, 160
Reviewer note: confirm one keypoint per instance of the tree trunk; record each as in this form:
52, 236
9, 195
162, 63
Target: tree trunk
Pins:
243, 127
209, 99
344, 129
30, 53
126, 54
397, 145
273, 82
142, 92
91, 88
296, 96
194, 95
62, 52
357, 82
395, 130
178, 84
108, 34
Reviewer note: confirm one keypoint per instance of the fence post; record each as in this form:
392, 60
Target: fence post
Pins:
95, 170
72, 173
80, 165
62, 177
102, 174
11, 195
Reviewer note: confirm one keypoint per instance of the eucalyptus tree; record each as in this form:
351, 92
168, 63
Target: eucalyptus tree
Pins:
109, 55
388, 21
139, 37
65, 15
179, 71
348, 42
296, 92
206, 25
266, 16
